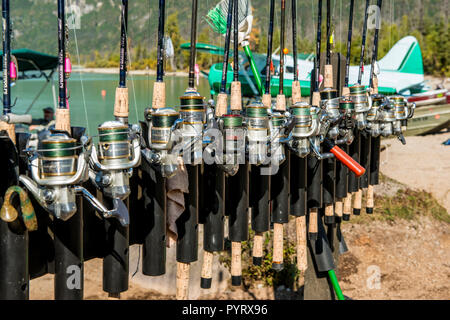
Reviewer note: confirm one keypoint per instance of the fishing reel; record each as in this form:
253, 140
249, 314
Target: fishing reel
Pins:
233, 139
193, 115
331, 114
304, 128
257, 124
403, 111
58, 166
347, 123
374, 116
360, 98
119, 151
162, 124
277, 130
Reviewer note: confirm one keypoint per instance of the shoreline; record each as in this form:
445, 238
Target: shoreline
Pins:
130, 72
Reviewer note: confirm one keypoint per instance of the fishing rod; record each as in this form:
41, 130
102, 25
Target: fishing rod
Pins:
67, 253
267, 97
111, 165
330, 103
280, 181
373, 118
221, 107
347, 204
260, 183
160, 121
213, 186
296, 89
315, 196
360, 96
300, 148
192, 114
14, 230
237, 184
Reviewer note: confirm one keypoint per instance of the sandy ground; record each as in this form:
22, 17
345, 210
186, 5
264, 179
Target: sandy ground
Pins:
423, 163
387, 260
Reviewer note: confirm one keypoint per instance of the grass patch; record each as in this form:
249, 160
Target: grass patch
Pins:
406, 204
264, 274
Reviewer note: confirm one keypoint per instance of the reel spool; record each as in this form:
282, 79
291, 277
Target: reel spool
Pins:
360, 98
118, 152
162, 123
257, 121
304, 128
57, 158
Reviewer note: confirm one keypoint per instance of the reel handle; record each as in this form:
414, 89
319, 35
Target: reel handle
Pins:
342, 156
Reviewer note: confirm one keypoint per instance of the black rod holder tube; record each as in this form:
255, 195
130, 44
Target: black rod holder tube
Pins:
329, 185
237, 204
14, 273
187, 223
213, 190
160, 53
280, 193
223, 86
154, 246
349, 43
6, 27
342, 176
315, 192
269, 47
294, 38
123, 45
298, 181
69, 268
193, 48
116, 259
260, 199
354, 149
366, 142
375, 161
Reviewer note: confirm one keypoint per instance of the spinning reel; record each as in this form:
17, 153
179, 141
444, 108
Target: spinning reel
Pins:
161, 125
257, 124
360, 98
304, 128
119, 151
58, 166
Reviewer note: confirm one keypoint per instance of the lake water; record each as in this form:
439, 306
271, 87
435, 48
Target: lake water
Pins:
85, 89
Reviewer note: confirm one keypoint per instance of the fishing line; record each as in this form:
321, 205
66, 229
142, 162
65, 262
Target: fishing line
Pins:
81, 78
